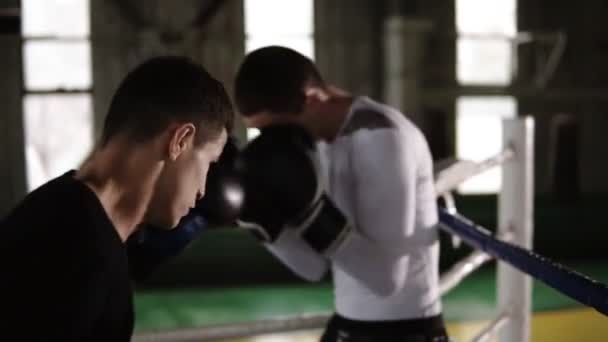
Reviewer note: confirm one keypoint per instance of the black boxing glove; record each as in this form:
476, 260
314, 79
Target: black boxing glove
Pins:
223, 200
281, 177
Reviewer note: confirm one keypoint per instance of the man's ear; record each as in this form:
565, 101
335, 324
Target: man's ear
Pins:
180, 138
315, 99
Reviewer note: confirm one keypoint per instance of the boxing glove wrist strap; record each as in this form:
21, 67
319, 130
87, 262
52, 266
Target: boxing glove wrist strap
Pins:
325, 228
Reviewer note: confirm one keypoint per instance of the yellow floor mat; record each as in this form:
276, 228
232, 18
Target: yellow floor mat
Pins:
575, 325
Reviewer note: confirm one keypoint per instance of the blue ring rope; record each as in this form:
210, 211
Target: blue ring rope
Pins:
567, 281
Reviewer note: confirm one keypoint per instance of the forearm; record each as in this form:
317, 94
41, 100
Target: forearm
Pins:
381, 270
151, 247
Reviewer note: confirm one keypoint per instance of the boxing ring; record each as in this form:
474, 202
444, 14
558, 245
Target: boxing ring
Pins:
510, 246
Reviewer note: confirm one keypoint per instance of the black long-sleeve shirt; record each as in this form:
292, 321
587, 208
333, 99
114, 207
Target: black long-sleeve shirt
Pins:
65, 275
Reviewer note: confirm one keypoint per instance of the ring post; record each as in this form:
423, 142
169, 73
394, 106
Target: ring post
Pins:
515, 217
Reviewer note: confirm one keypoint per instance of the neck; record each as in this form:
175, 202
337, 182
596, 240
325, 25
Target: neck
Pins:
334, 112
123, 178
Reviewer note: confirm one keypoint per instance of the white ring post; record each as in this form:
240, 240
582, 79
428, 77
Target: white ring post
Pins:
515, 216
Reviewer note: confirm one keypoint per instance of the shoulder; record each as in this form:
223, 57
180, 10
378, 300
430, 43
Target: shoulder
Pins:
370, 117
365, 118
62, 213
41, 206
379, 134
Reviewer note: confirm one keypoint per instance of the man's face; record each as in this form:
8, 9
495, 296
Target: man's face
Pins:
182, 182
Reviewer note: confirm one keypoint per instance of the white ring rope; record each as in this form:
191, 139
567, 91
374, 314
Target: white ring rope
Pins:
451, 173
489, 331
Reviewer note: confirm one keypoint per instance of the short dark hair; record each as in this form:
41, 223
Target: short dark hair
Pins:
273, 79
168, 89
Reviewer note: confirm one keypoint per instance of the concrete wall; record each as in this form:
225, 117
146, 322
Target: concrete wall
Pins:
348, 44
12, 154
127, 32
579, 87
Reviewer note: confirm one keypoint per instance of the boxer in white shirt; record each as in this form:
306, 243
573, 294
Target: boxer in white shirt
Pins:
372, 216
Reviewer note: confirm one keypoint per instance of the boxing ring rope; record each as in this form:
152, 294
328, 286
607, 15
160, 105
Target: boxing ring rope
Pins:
511, 248
491, 329
451, 173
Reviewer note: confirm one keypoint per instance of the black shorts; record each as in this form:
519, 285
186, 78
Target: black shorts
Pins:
430, 329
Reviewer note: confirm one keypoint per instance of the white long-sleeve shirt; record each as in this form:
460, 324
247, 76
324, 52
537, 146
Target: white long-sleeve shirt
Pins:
379, 173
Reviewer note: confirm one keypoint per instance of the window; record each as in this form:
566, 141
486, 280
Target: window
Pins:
479, 136
485, 57
58, 118
279, 22
484, 51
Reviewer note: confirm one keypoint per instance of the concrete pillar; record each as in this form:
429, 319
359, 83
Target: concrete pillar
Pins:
12, 155
404, 49
127, 32
347, 44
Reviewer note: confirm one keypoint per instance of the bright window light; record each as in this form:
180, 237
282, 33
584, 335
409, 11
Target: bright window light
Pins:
58, 134
484, 62
58, 125
55, 64
59, 18
485, 55
279, 22
302, 44
479, 136
486, 17
278, 17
